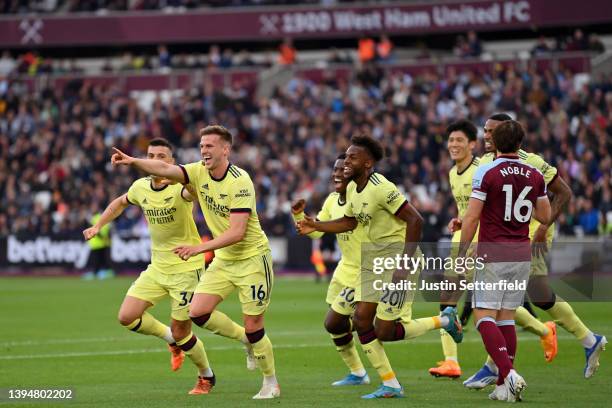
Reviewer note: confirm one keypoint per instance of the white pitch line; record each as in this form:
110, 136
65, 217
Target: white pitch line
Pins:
24, 343
18, 343
523, 337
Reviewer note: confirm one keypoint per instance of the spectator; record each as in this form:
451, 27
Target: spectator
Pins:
287, 53
461, 48
384, 49
227, 58
589, 218
541, 47
214, 56
596, 45
164, 59
578, 42
7, 64
366, 50
474, 46
54, 143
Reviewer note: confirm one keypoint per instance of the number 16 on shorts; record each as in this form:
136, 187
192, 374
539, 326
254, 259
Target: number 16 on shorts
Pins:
258, 292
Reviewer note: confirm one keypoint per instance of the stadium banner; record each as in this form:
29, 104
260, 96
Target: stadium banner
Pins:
258, 23
69, 252
25, 253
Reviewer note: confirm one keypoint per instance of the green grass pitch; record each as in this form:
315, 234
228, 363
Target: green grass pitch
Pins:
61, 332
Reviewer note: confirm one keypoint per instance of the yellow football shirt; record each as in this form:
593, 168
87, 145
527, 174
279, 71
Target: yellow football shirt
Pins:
375, 207
461, 187
170, 219
349, 266
234, 192
549, 172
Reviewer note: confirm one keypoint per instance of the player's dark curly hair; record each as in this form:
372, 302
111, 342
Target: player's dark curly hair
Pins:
508, 136
500, 117
372, 145
465, 126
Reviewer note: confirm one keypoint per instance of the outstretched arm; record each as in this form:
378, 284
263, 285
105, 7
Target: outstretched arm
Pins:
149, 166
344, 224
114, 210
297, 212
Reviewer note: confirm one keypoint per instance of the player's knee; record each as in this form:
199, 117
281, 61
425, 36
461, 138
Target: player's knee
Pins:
546, 303
256, 335
333, 325
199, 319
126, 318
180, 330
253, 324
385, 330
362, 323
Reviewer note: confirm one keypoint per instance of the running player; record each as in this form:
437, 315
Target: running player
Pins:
341, 291
539, 289
242, 254
461, 142
393, 227
506, 193
169, 213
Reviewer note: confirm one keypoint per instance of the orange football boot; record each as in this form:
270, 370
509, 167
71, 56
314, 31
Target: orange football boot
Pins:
176, 357
203, 386
549, 342
446, 368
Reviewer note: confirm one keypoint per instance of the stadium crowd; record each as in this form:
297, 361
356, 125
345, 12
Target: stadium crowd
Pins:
55, 145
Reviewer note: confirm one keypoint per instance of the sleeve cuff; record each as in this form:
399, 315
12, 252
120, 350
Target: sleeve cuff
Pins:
400, 207
184, 174
479, 195
240, 210
182, 196
298, 217
128, 200
553, 179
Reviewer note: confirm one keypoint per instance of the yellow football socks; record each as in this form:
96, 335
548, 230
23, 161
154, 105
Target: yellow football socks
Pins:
262, 350
449, 347
527, 321
564, 315
194, 348
348, 352
219, 323
418, 327
147, 324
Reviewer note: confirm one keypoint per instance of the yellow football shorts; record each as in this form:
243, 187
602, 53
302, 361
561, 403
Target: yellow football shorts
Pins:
154, 285
252, 276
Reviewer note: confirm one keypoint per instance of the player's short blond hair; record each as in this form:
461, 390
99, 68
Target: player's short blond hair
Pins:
218, 130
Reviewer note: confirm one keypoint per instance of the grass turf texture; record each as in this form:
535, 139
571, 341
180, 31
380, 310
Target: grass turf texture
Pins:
60, 332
